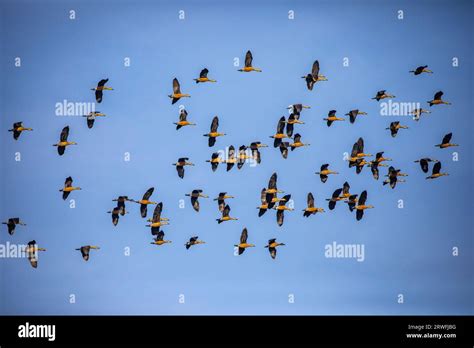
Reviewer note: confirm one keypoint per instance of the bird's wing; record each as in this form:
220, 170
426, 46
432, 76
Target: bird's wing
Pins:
226, 210
203, 73
273, 181
285, 200
363, 197
102, 82
315, 69
248, 59
263, 196
284, 149
214, 124
424, 165
280, 217
310, 200
64, 134
195, 203
438, 95
244, 236
337, 193
176, 87
447, 138
355, 150
281, 125
180, 170
68, 181
148, 193
346, 187
360, 145
183, 115
98, 95
157, 212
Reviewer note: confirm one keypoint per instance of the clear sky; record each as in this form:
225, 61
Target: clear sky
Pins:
407, 251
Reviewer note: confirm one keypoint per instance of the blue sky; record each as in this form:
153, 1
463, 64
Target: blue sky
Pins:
407, 251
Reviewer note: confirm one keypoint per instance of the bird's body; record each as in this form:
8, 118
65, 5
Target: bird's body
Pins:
17, 129
193, 241
361, 206
311, 209
243, 242
393, 175
437, 99
272, 245
215, 160
345, 190
183, 121
32, 253
203, 77
145, 201
353, 115
297, 142
332, 118
11, 224
314, 76
446, 142
177, 95
213, 134
160, 239
352, 202
221, 200
383, 95
358, 155
280, 132
424, 163
280, 208
100, 88
91, 116
115, 215
272, 189
297, 108
195, 194
336, 197
248, 64
85, 251
394, 127
292, 120
68, 188
157, 221
225, 215
324, 172
121, 203
63, 142
254, 148
436, 172
180, 164
418, 112
421, 69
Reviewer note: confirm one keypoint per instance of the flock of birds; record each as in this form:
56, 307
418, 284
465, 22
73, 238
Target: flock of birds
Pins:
269, 195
